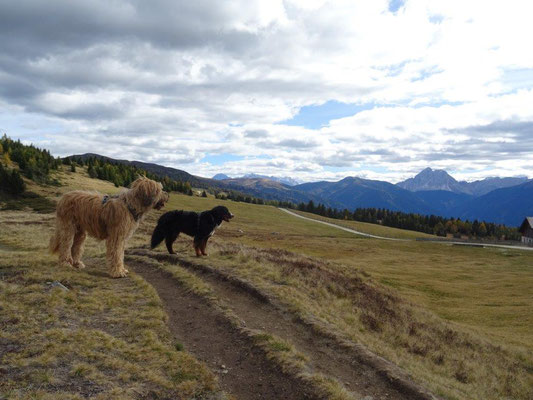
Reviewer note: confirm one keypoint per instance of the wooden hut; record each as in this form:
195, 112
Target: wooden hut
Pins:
526, 229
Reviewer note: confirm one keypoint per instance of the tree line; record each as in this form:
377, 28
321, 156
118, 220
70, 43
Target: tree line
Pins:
245, 198
431, 224
36, 164
33, 163
122, 174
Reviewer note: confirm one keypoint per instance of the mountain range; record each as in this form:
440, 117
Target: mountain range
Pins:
282, 179
500, 200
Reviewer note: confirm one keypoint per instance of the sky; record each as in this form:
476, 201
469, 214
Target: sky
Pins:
307, 89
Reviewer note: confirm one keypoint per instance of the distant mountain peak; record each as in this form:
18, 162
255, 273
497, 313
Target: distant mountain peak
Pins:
433, 179
434, 173
220, 177
282, 179
438, 179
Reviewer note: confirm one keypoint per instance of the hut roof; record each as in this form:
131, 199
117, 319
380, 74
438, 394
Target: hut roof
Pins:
528, 222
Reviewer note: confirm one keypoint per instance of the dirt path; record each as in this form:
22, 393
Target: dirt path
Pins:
361, 373
242, 368
342, 227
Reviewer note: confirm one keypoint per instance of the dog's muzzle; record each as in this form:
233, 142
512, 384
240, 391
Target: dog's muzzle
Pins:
228, 217
161, 203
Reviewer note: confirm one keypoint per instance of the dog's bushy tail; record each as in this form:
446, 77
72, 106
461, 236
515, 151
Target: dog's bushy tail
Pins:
53, 246
160, 231
157, 236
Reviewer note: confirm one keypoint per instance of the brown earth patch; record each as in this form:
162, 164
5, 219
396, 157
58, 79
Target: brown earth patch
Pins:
243, 368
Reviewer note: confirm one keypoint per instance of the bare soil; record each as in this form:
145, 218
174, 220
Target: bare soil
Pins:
243, 369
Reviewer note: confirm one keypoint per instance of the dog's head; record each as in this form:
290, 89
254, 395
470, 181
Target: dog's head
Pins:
222, 213
147, 194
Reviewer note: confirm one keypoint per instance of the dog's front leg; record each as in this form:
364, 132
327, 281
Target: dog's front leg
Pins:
197, 246
115, 256
77, 249
65, 232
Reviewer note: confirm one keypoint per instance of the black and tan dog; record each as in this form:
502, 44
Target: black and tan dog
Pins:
199, 225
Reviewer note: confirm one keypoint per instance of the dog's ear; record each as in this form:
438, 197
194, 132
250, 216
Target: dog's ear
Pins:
147, 199
146, 190
151, 192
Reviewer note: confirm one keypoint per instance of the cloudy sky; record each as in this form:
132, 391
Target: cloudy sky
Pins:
309, 89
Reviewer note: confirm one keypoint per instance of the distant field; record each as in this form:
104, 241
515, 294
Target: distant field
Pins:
372, 229
454, 280
485, 349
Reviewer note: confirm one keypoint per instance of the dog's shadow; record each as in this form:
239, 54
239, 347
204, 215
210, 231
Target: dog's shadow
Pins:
98, 273
96, 267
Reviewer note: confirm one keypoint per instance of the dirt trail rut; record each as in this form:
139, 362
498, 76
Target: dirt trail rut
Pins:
360, 374
242, 368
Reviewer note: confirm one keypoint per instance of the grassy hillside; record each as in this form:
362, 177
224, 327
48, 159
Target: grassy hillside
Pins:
457, 319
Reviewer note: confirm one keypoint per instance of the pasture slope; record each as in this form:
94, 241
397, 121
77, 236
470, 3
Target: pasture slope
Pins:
282, 308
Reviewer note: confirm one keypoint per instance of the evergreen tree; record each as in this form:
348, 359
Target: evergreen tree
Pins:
11, 182
482, 230
16, 182
92, 171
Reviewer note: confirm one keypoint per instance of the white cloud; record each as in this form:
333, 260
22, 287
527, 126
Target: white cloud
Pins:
174, 82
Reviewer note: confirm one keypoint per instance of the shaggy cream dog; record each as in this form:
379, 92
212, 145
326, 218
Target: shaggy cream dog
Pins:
114, 219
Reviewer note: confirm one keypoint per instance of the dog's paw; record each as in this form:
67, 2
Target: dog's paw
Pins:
122, 273
65, 263
79, 265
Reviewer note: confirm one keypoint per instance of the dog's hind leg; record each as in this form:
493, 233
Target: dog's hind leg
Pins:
66, 231
77, 249
169, 241
197, 250
198, 242
203, 246
115, 245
